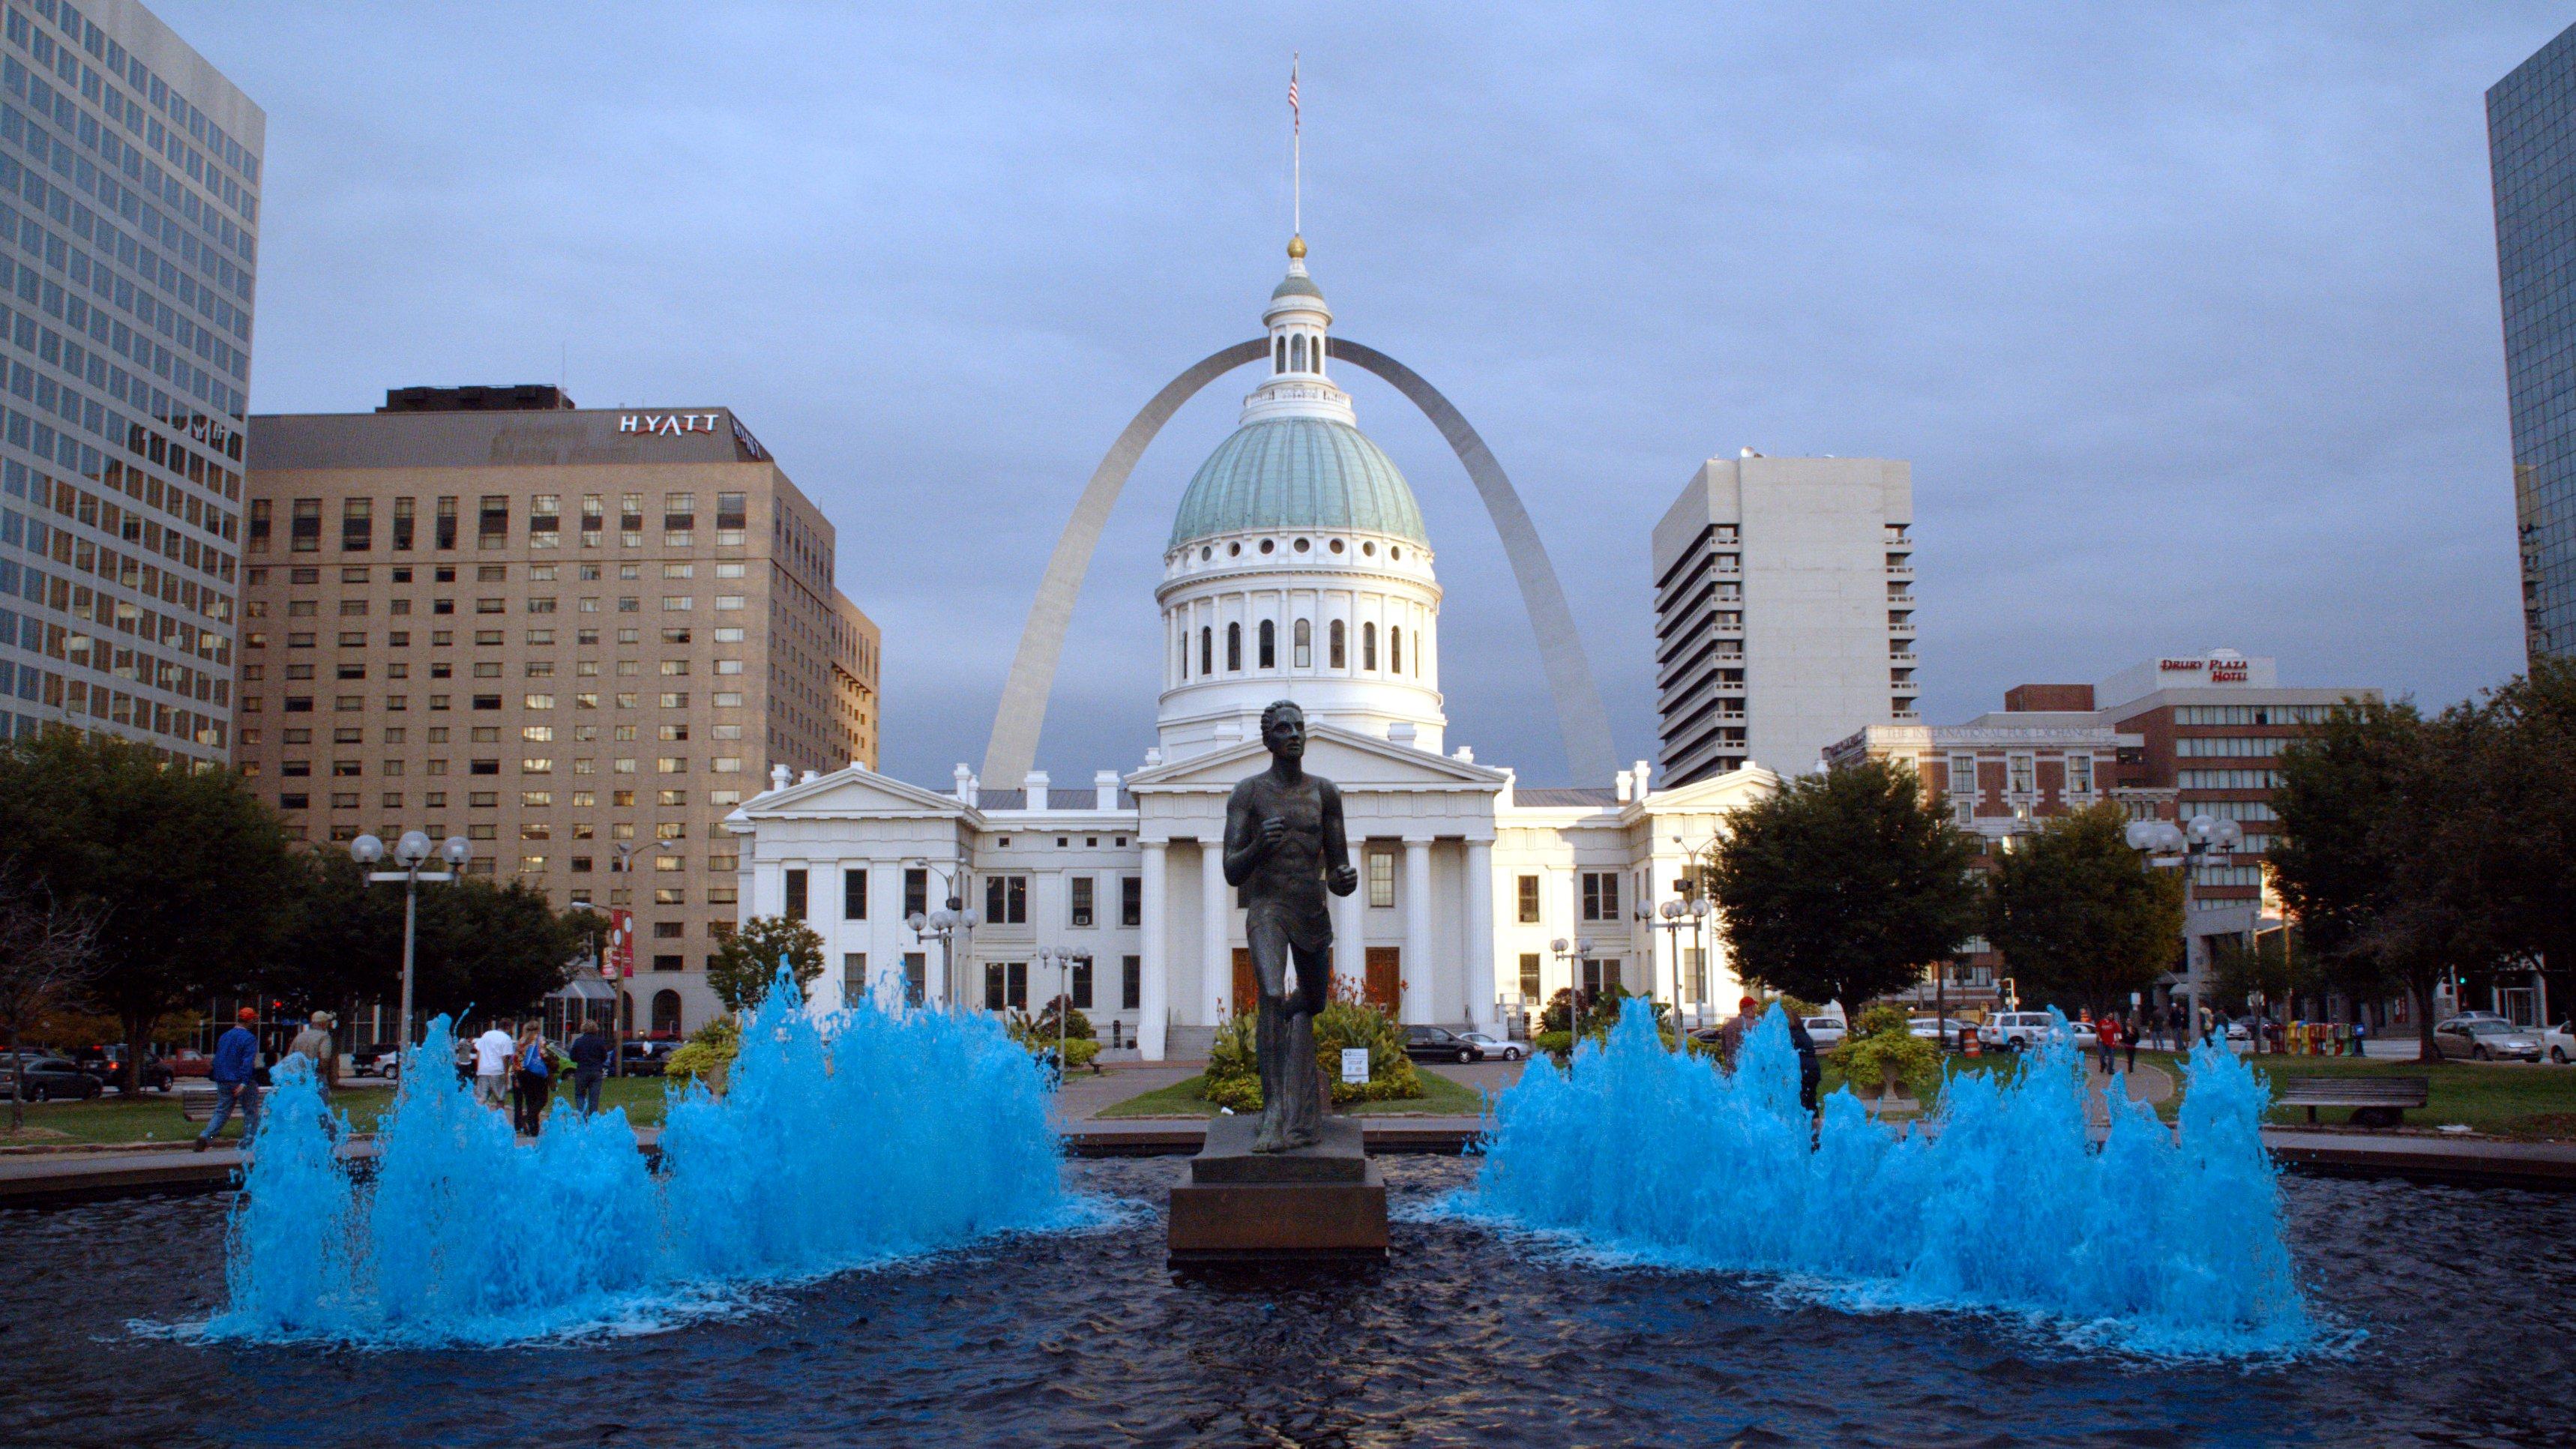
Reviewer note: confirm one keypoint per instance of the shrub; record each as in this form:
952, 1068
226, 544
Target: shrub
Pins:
711, 1046
1881, 1041
1234, 1073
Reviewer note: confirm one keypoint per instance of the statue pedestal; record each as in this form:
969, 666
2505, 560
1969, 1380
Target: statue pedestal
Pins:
1323, 1202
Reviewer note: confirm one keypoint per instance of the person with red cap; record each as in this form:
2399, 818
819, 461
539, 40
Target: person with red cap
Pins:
235, 1075
1730, 1037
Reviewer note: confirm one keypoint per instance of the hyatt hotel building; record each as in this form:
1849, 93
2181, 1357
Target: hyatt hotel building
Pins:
577, 637
129, 218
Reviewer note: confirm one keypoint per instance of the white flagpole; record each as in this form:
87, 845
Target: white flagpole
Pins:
1296, 154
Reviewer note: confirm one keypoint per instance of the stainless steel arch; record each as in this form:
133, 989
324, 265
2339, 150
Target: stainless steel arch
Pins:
1584, 724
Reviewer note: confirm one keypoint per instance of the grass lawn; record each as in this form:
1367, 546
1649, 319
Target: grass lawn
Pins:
1440, 1097
154, 1117
2536, 1103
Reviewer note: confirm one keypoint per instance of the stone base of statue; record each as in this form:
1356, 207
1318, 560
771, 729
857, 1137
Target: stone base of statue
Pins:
1321, 1203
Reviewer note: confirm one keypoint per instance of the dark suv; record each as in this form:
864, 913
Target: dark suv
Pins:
1439, 1044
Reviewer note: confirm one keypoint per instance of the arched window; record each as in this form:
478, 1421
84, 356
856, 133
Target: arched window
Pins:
1368, 646
1278, 354
1297, 352
1207, 650
1185, 653
1394, 650
1338, 660
1318, 358
1234, 648
1269, 645
666, 1013
1304, 637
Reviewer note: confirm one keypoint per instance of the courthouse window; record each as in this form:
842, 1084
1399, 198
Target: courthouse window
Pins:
1381, 878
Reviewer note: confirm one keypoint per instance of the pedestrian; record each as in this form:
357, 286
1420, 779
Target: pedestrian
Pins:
1810, 1071
2106, 1039
1730, 1037
235, 1075
589, 1065
2173, 1026
492, 1065
315, 1045
534, 1078
2130, 1031
2360, 1035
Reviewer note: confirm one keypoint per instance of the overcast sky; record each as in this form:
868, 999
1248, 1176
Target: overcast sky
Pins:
2186, 318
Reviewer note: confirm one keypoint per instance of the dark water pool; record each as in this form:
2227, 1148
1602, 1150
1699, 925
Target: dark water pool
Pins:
1465, 1337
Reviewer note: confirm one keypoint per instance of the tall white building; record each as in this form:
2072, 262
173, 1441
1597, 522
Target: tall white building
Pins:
1298, 567
1784, 611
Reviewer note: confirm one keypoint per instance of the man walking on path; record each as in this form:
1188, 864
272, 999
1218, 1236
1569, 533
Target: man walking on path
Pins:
2131, 1028
589, 1064
492, 1065
2106, 1039
234, 1073
314, 1043
1730, 1037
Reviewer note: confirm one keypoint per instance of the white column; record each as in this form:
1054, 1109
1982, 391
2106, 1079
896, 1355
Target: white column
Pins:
1350, 928
1153, 990
1216, 963
1417, 931
1480, 934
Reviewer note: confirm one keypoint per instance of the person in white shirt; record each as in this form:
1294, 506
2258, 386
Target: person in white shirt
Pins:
492, 1065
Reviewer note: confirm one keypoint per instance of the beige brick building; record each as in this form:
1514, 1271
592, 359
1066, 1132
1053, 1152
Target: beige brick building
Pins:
577, 637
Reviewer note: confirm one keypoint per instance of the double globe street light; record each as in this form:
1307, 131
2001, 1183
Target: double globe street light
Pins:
2189, 846
411, 852
947, 925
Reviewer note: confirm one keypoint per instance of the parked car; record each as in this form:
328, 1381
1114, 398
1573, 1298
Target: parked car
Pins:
1951, 1033
385, 1062
2486, 1039
190, 1062
1827, 1032
646, 1056
1488, 1046
2014, 1031
107, 1063
45, 1077
2558, 1044
1439, 1044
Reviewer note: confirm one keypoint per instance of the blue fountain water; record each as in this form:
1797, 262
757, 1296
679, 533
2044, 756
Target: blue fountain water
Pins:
876, 1133
2149, 1243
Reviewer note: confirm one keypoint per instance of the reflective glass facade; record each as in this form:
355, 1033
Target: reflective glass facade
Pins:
2531, 145
129, 213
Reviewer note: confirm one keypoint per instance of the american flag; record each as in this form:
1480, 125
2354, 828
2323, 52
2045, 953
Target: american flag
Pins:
1296, 118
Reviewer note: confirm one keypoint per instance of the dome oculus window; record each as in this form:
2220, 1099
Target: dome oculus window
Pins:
1269, 544
1205, 554
1394, 553
1335, 545
1234, 550
1369, 549
1303, 545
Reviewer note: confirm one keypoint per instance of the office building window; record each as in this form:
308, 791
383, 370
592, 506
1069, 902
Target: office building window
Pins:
1006, 900
1082, 984
357, 524
916, 977
916, 891
1131, 901
1600, 895
1131, 982
854, 977
2079, 774
795, 909
1079, 897
1529, 900
1529, 976
854, 895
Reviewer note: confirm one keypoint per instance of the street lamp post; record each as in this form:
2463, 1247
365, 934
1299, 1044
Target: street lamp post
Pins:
1678, 916
411, 852
1062, 958
2188, 846
950, 925
1571, 953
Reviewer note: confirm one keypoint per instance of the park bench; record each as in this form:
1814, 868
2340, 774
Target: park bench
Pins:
2375, 1101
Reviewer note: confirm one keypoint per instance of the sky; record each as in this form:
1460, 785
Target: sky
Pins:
2185, 316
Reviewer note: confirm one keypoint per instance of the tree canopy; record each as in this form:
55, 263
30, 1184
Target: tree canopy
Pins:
740, 973
183, 866
1844, 886
491, 948
2079, 921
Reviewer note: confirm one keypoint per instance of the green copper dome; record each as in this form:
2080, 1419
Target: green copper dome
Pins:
1297, 473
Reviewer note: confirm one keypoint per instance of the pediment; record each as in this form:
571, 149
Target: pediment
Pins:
1717, 792
853, 793
1349, 759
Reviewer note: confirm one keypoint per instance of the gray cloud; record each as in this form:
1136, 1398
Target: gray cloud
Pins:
2186, 317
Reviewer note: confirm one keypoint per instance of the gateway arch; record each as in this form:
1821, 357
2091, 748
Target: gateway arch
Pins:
1581, 720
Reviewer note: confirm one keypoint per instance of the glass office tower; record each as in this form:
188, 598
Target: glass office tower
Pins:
129, 215
2531, 149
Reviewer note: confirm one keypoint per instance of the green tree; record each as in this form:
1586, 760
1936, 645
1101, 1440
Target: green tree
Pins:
2382, 857
491, 948
740, 973
184, 868
1844, 885
2522, 782
2079, 919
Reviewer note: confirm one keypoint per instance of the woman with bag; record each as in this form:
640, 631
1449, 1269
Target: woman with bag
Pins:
535, 1077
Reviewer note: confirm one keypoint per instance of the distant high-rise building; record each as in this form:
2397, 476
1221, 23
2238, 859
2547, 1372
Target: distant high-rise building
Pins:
578, 638
129, 194
2531, 152
1784, 611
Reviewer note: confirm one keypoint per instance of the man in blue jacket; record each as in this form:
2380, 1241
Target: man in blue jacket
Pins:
234, 1072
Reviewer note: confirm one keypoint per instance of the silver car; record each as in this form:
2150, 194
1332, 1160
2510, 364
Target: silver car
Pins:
1495, 1049
2483, 1039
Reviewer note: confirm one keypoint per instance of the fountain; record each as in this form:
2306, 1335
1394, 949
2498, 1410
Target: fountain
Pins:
878, 1133
2157, 1242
